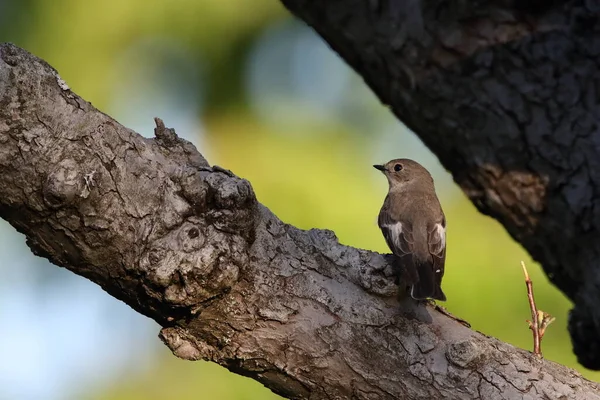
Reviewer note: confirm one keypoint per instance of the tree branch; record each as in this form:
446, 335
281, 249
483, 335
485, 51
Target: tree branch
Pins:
189, 246
505, 94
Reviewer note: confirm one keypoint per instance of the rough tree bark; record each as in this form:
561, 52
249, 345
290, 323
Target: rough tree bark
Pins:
189, 246
506, 94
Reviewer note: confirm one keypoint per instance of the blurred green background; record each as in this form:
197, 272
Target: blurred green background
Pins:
261, 94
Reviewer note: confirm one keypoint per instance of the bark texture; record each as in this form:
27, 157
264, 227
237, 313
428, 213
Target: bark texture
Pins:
506, 94
189, 246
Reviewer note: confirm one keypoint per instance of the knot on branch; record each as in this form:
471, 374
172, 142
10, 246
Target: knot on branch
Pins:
231, 203
64, 185
221, 198
464, 354
194, 264
194, 190
200, 259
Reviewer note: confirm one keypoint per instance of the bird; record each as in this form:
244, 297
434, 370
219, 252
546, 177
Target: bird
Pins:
414, 226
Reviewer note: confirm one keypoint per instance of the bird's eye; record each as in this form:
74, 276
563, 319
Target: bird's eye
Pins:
397, 167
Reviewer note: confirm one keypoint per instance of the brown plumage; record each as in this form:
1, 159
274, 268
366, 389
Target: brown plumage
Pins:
414, 226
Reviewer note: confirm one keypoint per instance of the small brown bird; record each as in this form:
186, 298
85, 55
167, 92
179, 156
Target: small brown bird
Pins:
414, 226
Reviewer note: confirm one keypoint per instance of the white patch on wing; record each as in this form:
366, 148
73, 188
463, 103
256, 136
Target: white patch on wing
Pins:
396, 231
441, 232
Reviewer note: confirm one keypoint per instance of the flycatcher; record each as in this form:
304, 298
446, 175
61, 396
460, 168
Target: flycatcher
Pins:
414, 226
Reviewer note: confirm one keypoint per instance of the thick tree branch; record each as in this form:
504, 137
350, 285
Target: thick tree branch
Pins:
505, 93
189, 246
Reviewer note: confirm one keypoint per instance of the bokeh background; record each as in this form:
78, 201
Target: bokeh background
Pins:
261, 94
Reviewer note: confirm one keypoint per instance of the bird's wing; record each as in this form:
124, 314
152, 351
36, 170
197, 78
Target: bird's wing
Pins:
437, 247
398, 236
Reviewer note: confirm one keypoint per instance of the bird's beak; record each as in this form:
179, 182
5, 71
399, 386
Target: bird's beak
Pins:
379, 167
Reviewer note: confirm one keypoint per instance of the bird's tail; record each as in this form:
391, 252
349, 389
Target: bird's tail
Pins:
426, 287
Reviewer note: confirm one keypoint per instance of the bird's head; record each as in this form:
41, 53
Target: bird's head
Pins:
403, 172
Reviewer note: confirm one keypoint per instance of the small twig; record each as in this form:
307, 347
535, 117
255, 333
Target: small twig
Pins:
540, 319
534, 324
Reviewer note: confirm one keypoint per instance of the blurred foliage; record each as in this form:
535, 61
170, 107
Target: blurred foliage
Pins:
82, 38
319, 180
